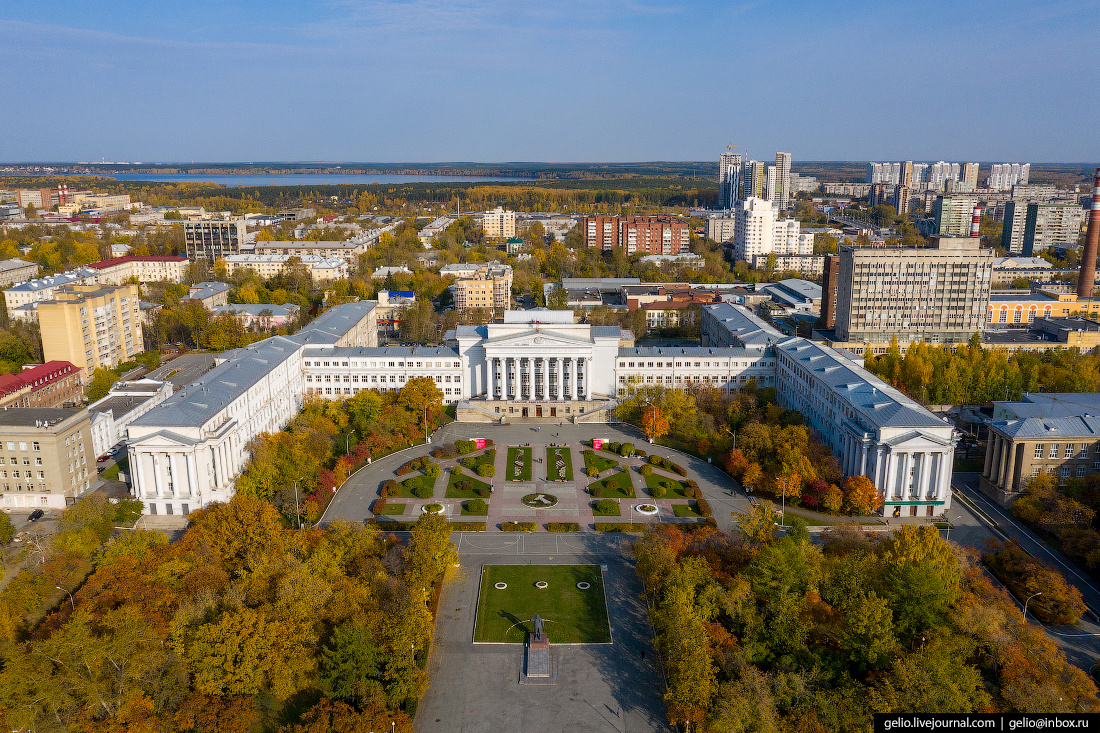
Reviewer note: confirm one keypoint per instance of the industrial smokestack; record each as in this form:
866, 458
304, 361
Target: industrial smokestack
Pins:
1088, 258
976, 222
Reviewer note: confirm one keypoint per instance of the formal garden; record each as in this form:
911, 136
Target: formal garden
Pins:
616, 486
559, 464
569, 598
519, 463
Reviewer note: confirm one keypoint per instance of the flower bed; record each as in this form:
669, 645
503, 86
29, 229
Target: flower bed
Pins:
540, 500
559, 464
519, 463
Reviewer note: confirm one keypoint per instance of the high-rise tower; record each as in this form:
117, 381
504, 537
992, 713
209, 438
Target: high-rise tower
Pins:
729, 179
782, 194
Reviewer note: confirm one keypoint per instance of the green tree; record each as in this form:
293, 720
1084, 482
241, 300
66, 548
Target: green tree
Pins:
102, 379
429, 552
760, 524
920, 576
349, 664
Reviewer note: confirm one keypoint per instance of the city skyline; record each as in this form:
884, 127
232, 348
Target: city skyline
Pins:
563, 81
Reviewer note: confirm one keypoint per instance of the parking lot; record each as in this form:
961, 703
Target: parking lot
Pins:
183, 370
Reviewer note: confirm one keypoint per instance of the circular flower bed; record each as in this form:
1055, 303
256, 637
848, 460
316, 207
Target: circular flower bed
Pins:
500, 586
431, 508
647, 509
584, 586
541, 585
540, 501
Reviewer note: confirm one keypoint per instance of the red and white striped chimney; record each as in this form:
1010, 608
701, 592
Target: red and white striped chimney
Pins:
976, 222
1087, 276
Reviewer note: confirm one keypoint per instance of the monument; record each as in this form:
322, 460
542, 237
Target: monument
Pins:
538, 668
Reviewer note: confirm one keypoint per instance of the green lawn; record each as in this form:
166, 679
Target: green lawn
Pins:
674, 489
489, 456
552, 471
615, 486
393, 510
686, 510
111, 474
406, 487
522, 472
571, 615
591, 459
454, 492
597, 513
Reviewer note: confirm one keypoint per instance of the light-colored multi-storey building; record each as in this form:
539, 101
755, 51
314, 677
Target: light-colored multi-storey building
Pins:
321, 269
41, 289
46, 456
937, 294
210, 240
759, 232
144, 269
91, 326
499, 223
489, 287
16, 270
348, 250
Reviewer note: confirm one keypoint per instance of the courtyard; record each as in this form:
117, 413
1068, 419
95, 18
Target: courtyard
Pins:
569, 598
551, 460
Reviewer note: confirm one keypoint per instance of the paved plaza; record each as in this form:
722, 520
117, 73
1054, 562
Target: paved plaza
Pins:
476, 688
353, 501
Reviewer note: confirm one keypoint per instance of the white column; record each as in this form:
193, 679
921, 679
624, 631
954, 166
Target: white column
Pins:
545, 378
587, 391
943, 487
192, 475
156, 474
174, 468
218, 483
862, 459
925, 474
507, 378
907, 468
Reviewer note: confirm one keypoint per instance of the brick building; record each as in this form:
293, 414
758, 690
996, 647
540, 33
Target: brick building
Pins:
53, 384
646, 234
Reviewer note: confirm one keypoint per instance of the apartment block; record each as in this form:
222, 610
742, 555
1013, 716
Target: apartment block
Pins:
489, 287
953, 215
53, 384
1049, 224
642, 234
758, 231
42, 199
144, 269
210, 294
91, 326
830, 283
499, 223
15, 271
213, 239
32, 292
348, 250
937, 294
46, 457
321, 269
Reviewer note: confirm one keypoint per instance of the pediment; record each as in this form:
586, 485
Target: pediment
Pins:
537, 340
161, 439
916, 439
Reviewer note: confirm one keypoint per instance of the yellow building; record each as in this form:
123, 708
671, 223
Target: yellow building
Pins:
489, 288
91, 326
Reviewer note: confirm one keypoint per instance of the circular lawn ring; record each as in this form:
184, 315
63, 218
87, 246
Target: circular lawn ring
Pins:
500, 586
647, 509
541, 585
540, 500
431, 508
584, 586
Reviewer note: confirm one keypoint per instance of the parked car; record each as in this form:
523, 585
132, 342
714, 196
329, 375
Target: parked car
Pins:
36, 515
103, 457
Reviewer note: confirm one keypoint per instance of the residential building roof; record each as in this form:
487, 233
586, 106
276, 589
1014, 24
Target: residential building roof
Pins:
36, 376
257, 309
104, 264
201, 291
40, 417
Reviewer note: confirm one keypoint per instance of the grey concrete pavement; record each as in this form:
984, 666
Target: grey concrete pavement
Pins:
183, 369
353, 500
475, 688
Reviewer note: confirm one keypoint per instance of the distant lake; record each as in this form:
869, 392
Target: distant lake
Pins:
300, 179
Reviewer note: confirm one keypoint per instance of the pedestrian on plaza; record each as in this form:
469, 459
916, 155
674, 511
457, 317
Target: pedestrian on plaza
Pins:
619, 712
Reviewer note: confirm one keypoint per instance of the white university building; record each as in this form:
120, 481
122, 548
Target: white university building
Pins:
532, 366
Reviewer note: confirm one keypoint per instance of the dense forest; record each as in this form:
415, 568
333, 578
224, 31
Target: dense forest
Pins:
975, 375
238, 626
775, 635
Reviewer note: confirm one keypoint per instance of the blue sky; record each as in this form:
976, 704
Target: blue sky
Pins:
548, 80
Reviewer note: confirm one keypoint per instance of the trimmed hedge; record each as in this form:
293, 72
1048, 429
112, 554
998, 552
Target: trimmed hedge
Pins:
518, 527
467, 526
668, 465
476, 506
645, 470
563, 527
389, 488
703, 506
620, 527
659, 491
486, 470
465, 446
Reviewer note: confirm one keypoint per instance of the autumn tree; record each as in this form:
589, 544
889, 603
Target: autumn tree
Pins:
861, 497
920, 576
654, 423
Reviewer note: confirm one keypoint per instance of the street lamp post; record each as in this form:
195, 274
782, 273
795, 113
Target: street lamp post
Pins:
297, 511
347, 441
71, 601
1037, 593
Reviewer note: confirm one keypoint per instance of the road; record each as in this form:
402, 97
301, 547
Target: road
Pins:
183, 369
1081, 642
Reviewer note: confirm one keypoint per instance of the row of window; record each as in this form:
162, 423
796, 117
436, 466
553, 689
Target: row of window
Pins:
449, 391
28, 474
376, 378
376, 364
668, 364
1065, 470
1070, 450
